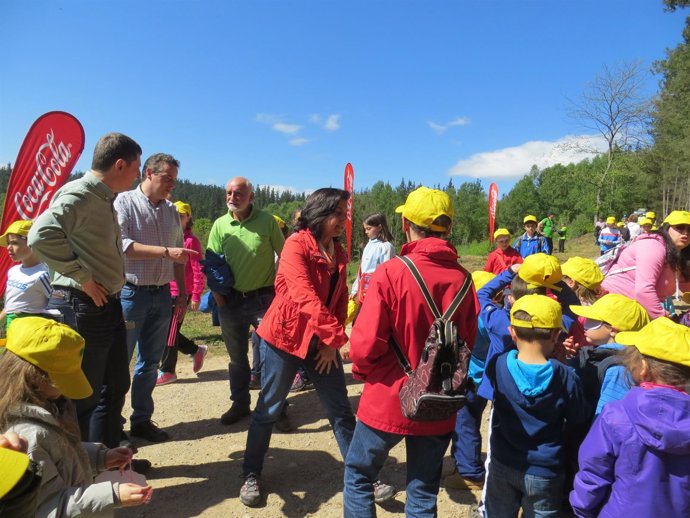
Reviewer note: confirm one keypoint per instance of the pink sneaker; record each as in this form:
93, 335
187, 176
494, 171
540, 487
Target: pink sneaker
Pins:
198, 358
164, 378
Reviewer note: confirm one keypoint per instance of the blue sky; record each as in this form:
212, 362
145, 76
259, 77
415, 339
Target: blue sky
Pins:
287, 92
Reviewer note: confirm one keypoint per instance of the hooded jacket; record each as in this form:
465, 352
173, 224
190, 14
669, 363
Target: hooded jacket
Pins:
635, 460
499, 260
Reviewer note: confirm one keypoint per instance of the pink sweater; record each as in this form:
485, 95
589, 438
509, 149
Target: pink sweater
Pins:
651, 281
193, 276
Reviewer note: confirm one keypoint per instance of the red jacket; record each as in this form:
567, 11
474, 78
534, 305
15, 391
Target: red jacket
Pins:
298, 311
498, 260
396, 307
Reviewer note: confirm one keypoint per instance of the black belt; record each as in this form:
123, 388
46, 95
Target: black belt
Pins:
68, 293
146, 287
266, 290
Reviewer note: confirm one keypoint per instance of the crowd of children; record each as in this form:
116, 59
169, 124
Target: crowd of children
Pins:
590, 406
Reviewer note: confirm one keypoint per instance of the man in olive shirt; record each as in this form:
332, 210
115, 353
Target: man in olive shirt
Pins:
78, 237
249, 238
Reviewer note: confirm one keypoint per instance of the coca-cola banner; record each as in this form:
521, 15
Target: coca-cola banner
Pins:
349, 186
47, 156
493, 200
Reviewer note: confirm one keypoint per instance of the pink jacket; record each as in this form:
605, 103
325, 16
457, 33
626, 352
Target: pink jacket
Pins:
651, 280
193, 276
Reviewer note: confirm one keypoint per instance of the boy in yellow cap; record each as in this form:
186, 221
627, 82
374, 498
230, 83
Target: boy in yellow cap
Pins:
584, 277
534, 398
28, 283
530, 242
504, 255
610, 236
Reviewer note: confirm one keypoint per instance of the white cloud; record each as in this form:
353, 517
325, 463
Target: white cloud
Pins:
440, 129
298, 141
277, 123
315, 118
514, 162
288, 129
287, 188
332, 122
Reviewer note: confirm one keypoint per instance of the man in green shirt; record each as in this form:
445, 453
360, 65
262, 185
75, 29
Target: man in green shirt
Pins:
78, 237
249, 238
547, 227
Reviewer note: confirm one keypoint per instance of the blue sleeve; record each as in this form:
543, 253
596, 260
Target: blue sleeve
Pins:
615, 386
545, 246
492, 288
578, 409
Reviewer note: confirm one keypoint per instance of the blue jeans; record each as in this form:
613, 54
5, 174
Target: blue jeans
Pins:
277, 373
147, 316
466, 446
369, 450
235, 319
104, 362
508, 489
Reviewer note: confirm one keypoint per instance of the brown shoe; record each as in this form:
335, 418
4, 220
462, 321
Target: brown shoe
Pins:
456, 481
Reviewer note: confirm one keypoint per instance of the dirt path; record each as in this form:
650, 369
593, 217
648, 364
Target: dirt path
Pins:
197, 472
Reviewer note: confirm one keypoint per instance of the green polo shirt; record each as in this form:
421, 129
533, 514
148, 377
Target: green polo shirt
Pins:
249, 247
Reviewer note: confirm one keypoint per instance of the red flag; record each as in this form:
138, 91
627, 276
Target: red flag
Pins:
493, 199
349, 183
47, 156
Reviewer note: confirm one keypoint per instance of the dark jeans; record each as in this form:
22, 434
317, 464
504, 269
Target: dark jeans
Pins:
104, 362
561, 245
182, 344
466, 447
235, 319
549, 240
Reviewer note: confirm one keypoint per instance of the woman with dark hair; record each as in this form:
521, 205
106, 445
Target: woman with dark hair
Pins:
304, 326
378, 250
655, 265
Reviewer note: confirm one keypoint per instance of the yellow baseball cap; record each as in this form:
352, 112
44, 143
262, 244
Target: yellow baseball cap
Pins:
620, 224
529, 218
541, 270
583, 271
501, 232
424, 205
678, 217
480, 278
54, 348
20, 227
183, 208
14, 464
611, 220
645, 221
650, 215
662, 339
280, 221
544, 311
621, 312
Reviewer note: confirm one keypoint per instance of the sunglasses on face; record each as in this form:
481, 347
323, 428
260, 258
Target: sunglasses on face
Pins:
591, 324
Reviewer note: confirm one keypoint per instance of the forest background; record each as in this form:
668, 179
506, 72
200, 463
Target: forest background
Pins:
646, 165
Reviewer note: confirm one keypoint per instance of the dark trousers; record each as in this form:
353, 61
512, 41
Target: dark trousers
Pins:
104, 363
561, 245
182, 344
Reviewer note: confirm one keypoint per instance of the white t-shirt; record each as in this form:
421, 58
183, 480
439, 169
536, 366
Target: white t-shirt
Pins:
28, 289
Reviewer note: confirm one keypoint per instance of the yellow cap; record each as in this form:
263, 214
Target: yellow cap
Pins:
545, 312
617, 310
541, 270
529, 218
280, 221
678, 217
20, 227
480, 278
424, 205
662, 339
352, 308
183, 208
650, 215
14, 464
611, 220
501, 232
620, 224
645, 221
54, 348
583, 271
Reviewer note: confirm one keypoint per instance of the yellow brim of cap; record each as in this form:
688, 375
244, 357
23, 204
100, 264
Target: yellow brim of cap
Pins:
528, 325
587, 312
552, 287
400, 208
73, 385
14, 464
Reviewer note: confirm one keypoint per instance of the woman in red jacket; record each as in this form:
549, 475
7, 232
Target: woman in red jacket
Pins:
504, 255
304, 326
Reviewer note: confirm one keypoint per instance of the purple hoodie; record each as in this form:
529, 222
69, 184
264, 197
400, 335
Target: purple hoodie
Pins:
635, 460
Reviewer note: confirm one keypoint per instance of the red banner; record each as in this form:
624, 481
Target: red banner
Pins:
349, 186
493, 200
47, 156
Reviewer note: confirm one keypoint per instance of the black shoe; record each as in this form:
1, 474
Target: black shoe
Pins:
141, 466
283, 423
149, 431
234, 414
126, 442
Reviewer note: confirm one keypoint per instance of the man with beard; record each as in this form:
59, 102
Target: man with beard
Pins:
248, 238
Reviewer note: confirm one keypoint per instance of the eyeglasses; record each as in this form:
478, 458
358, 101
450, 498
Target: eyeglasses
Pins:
591, 324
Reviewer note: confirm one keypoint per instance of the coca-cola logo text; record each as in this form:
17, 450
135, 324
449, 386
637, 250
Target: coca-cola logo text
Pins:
50, 158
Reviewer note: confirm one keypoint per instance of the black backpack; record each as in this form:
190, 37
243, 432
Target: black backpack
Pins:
592, 364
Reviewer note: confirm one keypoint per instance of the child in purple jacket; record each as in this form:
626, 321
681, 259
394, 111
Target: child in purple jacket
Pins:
635, 460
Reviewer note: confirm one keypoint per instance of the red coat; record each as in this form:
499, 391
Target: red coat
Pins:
498, 260
298, 311
396, 307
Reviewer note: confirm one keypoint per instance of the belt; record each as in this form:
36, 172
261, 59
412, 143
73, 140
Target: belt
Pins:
146, 287
266, 290
68, 293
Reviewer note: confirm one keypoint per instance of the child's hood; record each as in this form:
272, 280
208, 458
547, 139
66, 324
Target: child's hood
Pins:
661, 418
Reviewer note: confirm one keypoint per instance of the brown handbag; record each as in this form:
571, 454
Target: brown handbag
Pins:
435, 389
